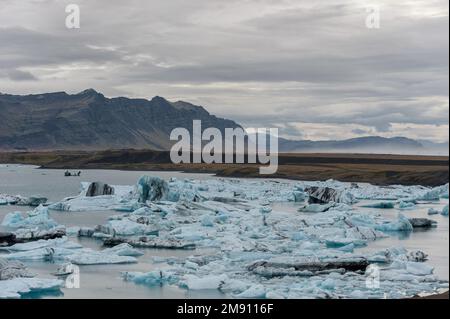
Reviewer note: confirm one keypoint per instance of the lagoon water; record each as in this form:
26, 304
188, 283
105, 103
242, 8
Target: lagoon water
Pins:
105, 281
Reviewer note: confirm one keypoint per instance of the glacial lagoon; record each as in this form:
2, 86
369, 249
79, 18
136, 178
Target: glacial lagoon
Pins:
106, 281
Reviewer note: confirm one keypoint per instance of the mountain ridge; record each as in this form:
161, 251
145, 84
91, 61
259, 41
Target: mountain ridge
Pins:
89, 120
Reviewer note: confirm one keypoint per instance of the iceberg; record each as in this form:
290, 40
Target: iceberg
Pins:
381, 205
51, 243
90, 257
16, 288
18, 200
37, 218
99, 189
325, 195
150, 242
254, 292
406, 205
152, 279
422, 223
433, 211
126, 227
13, 269
402, 224
193, 282
152, 189
123, 250
248, 243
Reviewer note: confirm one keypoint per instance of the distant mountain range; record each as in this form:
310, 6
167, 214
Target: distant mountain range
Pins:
90, 121
368, 144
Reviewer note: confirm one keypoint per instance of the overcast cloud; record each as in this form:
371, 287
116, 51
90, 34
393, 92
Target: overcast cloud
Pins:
311, 68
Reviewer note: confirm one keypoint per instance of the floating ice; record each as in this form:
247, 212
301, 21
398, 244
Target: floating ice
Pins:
13, 269
325, 195
433, 211
22, 201
153, 278
152, 188
406, 205
402, 224
37, 218
381, 205
15, 288
232, 224
54, 243
193, 282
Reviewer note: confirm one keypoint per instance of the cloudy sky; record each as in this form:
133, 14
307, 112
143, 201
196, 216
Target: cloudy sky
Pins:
311, 68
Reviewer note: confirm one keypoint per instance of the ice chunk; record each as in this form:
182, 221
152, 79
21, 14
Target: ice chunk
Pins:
150, 242
402, 224
325, 195
417, 256
99, 189
406, 205
381, 205
17, 287
207, 221
153, 278
127, 227
299, 196
22, 201
316, 208
419, 269
422, 223
434, 194
37, 218
193, 282
90, 257
52, 243
433, 211
13, 269
445, 211
124, 250
24, 235
152, 188
254, 292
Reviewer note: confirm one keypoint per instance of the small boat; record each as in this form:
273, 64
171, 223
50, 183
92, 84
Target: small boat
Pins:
69, 174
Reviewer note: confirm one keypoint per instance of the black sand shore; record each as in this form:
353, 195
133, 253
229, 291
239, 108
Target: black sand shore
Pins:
371, 168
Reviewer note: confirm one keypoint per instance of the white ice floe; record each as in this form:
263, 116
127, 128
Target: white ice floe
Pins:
34, 245
63, 250
21, 200
15, 288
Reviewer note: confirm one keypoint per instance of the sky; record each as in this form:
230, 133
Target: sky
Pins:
314, 69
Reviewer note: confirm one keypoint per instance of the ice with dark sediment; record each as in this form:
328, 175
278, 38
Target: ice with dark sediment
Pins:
19, 200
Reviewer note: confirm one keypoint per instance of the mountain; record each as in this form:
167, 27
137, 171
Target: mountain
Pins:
90, 121
369, 144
